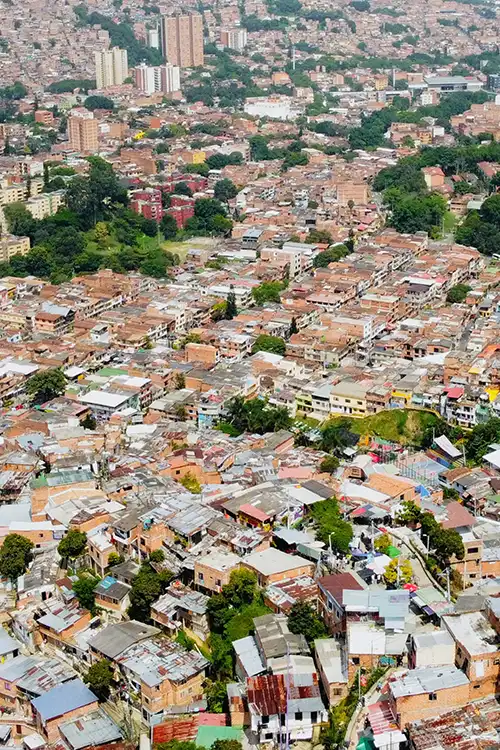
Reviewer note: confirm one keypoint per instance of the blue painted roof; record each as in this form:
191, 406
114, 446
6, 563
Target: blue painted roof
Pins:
62, 699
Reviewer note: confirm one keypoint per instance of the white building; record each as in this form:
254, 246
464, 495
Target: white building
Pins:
111, 67
234, 38
151, 79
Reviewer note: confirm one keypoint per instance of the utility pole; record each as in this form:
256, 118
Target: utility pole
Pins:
448, 593
287, 738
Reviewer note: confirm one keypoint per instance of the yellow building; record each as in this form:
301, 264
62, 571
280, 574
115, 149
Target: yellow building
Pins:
10, 245
349, 397
44, 205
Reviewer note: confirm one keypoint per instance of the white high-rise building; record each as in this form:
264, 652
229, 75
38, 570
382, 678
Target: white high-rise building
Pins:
111, 67
152, 79
154, 38
234, 38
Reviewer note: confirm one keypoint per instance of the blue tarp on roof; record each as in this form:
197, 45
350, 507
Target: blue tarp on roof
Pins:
62, 699
423, 491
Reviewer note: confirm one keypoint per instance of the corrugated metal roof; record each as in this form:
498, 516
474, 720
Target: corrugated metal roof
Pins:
62, 699
97, 728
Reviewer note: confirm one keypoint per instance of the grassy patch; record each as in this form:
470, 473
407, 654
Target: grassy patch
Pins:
405, 426
241, 624
449, 222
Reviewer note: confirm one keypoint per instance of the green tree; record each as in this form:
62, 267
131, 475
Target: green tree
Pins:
46, 385
177, 745
99, 677
410, 514
256, 416
330, 526
72, 545
19, 219
382, 543
266, 343
97, 101
482, 436
231, 309
268, 291
15, 556
458, 293
304, 620
405, 572
89, 422
182, 188
168, 226
83, 589
242, 588
216, 695
332, 255
191, 484
147, 587
319, 236
329, 464
180, 381
115, 559
225, 190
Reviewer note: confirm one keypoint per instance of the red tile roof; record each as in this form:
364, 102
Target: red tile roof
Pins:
336, 583
253, 512
456, 516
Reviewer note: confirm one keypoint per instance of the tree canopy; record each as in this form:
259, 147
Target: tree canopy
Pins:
268, 291
147, 587
73, 544
458, 293
15, 556
256, 415
330, 526
83, 589
303, 619
332, 255
46, 385
99, 678
266, 343
401, 568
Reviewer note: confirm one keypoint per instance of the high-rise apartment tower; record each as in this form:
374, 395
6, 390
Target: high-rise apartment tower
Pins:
182, 40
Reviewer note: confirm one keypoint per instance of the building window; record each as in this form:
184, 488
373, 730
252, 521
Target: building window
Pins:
200, 576
433, 697
355, 660
298, 716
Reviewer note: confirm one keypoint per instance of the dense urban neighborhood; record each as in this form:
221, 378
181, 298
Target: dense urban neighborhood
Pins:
250, 375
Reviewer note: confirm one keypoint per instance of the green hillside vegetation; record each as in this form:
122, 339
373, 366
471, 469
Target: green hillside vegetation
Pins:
405, 426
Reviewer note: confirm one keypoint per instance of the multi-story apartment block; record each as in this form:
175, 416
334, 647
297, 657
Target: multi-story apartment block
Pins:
182, 40
234, 38
111, 67
151, 79
83, 131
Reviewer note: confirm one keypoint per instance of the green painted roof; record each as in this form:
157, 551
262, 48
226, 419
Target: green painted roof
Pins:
365, 743
40, 481
206, 736
108, 372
